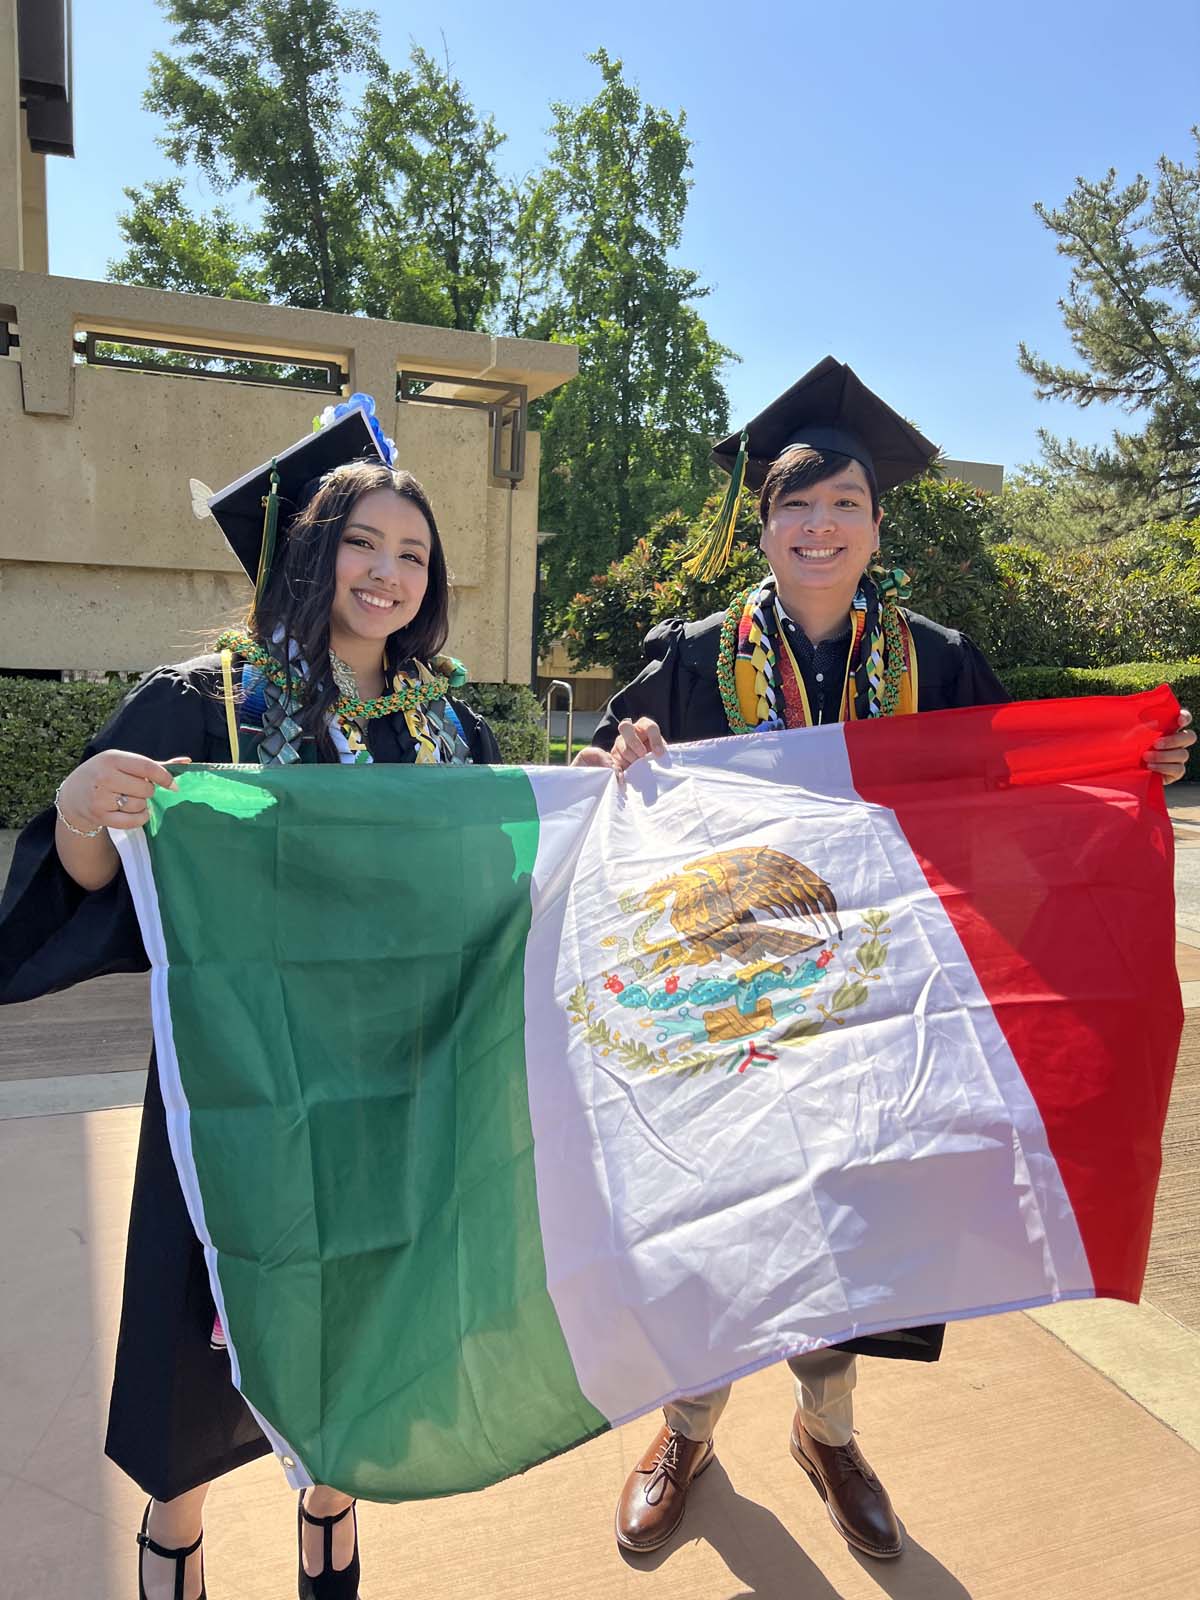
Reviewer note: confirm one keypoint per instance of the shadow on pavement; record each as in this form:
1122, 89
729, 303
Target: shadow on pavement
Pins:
916, 1575
771, 1565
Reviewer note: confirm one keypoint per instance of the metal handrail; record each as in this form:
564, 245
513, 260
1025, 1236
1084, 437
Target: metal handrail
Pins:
558, 683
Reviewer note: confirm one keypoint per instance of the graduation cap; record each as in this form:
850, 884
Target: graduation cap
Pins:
829, 409
255, 511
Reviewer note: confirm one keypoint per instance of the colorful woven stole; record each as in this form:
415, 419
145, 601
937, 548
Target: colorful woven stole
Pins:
762, 686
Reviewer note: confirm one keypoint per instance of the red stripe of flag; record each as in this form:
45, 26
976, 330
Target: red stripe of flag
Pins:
1049, 845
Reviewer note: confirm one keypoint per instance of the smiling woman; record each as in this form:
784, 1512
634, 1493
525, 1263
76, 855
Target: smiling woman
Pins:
382, 574
339, 661
361, 581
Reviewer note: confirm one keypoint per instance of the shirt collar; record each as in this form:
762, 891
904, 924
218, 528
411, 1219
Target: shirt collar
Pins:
794, 629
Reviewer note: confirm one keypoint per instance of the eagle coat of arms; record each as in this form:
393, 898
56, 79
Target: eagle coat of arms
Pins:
739, 954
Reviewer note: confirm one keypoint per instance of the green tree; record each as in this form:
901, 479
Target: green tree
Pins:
390, 205
1049, 511
171, 248
437, 247
1132, 310
535, 244
607, 621
629, 438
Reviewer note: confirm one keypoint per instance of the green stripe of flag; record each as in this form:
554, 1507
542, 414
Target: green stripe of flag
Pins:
361, 1132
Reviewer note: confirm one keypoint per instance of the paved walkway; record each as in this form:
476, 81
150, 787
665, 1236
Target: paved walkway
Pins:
1055, 1454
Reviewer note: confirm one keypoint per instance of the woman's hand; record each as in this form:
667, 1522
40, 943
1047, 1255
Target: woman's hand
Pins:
1168, 755
111, 790
107, 791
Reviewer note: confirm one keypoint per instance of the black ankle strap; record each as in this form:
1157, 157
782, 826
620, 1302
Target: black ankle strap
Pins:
156, 1549
327, 1522
179, 1556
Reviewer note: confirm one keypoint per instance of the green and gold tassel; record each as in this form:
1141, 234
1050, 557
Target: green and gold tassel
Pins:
270, 524
707, 555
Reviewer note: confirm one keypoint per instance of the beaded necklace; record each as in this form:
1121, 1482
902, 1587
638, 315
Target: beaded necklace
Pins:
411, 696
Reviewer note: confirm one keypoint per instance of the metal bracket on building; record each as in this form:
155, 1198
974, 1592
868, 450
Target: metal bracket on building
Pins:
9, 339
507, 406
558, 683
323, 377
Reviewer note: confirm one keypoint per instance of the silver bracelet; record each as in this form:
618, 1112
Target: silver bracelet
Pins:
79, 833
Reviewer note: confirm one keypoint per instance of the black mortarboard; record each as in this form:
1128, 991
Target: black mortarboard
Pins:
828, 409
242, 510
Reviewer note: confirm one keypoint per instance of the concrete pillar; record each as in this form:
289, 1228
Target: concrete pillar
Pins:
35, 238
11, 139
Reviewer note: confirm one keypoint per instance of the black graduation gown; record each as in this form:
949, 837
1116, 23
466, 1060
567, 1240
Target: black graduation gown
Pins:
175, 1419
678, 689
678, 685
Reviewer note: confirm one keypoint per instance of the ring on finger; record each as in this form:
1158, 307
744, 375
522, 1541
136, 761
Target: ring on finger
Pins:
122, 801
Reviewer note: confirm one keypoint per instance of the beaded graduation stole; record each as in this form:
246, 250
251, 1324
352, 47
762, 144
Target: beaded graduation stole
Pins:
760, 681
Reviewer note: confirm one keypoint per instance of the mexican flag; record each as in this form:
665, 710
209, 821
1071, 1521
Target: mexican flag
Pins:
511, 1102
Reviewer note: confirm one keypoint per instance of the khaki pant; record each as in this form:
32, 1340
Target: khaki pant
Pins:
824, 1394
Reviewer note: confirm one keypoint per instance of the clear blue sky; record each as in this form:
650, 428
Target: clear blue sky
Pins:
864, 175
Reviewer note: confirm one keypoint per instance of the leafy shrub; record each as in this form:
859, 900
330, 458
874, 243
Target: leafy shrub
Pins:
607, 622
1094, 606
45, 724
1032, 620
1058, 683
943, 533
515, 717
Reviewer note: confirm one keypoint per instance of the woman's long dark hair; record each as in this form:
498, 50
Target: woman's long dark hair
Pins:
299, 593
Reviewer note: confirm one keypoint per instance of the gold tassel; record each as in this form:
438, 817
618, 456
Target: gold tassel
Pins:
708, 554
270, 523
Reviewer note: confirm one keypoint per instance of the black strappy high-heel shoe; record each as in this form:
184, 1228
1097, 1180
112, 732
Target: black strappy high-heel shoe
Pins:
179, 1557
328, 1584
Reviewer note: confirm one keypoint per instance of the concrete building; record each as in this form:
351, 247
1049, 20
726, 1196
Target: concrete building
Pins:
112, 398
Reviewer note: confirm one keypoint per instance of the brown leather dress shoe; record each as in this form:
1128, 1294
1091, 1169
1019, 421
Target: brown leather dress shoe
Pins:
655, 1495
858, 1503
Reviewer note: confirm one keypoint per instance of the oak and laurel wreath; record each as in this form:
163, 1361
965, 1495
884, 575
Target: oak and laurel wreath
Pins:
634, 1056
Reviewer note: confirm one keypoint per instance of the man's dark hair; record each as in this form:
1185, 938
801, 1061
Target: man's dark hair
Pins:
803, 466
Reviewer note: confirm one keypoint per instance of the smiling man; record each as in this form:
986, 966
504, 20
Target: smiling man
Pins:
816, 641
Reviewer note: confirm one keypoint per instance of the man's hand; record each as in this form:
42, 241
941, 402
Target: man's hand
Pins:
1168, 755
634, 741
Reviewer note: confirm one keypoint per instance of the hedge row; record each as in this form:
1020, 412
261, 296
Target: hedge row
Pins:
44, 725
1058, 683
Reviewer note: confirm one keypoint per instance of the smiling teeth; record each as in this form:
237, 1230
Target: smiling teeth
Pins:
375, 600
815, 555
